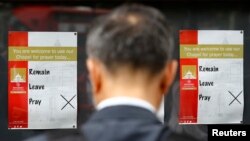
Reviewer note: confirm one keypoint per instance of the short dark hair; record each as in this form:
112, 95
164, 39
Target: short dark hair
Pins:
134, 35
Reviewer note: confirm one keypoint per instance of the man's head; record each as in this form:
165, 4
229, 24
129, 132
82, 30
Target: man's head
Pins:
129, 54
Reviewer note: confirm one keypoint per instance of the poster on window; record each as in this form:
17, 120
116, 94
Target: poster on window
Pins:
211, 77
42, 80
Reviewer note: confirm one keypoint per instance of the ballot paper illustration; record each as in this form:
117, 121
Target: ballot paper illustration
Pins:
42, 80
211, 77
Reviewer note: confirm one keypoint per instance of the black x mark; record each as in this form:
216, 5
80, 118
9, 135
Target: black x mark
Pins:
235, 97
68, 102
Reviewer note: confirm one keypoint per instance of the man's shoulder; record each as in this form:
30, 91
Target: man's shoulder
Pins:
123, 123
168, 134
121, 130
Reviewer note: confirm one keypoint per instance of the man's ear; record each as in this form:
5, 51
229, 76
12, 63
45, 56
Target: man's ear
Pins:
94, 74
169, 75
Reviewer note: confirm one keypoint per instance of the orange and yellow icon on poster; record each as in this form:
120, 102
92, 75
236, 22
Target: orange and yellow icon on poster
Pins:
189, 77
188, 72
18, 75
18, 80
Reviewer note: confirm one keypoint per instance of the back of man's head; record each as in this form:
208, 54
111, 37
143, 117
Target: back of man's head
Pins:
133, 35
129, 52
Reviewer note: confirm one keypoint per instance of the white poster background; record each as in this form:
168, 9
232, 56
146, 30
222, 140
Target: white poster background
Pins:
62, 81
222, 107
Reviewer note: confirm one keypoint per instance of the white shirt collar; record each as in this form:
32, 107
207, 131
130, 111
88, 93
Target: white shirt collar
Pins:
115, 101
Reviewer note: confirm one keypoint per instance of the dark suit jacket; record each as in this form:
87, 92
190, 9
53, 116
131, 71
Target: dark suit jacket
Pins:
118, 123
127, 123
